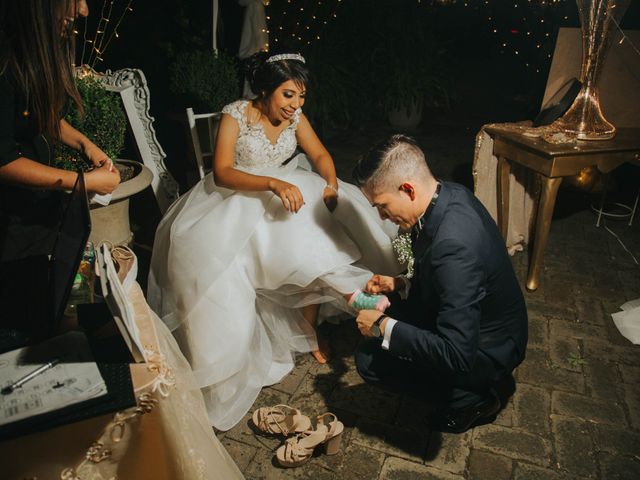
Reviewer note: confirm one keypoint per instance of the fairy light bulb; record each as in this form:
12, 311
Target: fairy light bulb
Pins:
105, 32
308, 20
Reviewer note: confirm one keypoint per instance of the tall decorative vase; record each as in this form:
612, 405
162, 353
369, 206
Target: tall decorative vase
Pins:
584, 119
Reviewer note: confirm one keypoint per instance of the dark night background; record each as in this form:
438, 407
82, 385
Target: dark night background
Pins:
485, 80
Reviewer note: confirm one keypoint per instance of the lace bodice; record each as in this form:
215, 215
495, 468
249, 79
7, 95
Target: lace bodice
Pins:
253, 148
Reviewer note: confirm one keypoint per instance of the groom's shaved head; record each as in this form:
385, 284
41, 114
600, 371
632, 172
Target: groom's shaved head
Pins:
390, 163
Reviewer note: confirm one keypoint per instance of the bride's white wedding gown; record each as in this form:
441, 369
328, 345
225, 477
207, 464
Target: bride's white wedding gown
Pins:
230, 270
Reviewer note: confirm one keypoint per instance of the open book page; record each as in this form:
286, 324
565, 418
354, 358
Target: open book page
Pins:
74, 379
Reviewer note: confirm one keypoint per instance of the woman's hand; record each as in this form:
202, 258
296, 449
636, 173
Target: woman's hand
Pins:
381, 284
96, 156
76, 140
103, 179
289, 194
330, 197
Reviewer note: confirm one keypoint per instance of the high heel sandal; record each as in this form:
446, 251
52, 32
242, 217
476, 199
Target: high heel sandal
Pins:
280, 420
298, 450
126, 264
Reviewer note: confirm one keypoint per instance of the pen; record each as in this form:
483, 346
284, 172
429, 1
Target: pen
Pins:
18, 383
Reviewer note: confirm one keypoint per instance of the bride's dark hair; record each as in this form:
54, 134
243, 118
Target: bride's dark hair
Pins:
264, 77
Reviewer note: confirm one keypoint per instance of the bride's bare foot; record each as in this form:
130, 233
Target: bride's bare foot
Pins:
320, 358
323, 354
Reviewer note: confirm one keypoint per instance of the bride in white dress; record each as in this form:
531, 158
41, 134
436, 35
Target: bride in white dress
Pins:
246, 261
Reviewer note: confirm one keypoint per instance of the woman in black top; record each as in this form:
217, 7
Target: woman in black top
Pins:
36, 78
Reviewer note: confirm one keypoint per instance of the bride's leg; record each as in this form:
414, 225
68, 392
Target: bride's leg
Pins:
310, 314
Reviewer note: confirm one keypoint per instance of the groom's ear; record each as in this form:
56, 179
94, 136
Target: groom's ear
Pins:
407, 188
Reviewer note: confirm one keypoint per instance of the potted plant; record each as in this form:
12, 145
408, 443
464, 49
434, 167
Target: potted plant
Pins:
204, 80
333, 93
104, 123
411, 70
410, 88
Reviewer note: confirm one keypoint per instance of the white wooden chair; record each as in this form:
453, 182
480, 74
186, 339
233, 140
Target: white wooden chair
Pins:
207, 132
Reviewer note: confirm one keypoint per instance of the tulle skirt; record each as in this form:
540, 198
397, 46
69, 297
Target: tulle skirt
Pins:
231, 270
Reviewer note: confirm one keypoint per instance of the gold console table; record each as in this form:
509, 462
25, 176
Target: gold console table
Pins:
552, 162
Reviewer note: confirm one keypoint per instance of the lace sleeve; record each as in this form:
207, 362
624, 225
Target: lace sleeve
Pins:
237, 110
296, 118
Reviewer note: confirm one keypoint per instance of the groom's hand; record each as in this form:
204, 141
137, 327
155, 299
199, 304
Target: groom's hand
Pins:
366, 318
381, 284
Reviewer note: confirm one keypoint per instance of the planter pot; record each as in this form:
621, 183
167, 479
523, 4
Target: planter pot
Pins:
110, 223
406, 117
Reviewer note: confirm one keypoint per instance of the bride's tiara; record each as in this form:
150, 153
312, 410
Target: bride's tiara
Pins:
286, 56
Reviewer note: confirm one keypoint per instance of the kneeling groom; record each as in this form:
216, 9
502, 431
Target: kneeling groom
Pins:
461, 326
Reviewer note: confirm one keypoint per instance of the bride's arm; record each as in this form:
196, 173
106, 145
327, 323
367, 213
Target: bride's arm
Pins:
317, 153
225, 175
321, 159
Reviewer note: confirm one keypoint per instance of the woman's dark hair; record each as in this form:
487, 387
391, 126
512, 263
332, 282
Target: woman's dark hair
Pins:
37, 50
264, 77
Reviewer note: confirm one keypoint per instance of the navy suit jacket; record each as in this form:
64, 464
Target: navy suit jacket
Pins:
465, 296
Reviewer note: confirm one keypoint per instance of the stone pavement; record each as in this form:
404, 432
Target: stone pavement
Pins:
576, 410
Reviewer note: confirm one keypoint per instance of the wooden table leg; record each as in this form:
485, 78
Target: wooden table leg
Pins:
543, 224
502, 195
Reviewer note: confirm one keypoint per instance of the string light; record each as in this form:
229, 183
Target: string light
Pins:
99, 28
309, 20
526, 30
522, 29
624, 37
103, 34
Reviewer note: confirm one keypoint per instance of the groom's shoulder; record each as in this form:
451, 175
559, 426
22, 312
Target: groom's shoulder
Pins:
463, 216
461, 198
456, 189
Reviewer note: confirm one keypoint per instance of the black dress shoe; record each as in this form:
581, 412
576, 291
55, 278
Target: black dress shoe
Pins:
461, 420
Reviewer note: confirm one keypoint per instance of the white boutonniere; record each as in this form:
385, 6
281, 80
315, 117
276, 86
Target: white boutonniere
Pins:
402, 246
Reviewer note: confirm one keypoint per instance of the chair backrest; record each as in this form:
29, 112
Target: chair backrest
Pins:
204, 130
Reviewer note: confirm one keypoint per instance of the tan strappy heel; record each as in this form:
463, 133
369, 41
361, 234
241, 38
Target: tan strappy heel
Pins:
336, 427
127, 264
280, 420
298, 450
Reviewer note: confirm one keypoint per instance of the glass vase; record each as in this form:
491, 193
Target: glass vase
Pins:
598, 20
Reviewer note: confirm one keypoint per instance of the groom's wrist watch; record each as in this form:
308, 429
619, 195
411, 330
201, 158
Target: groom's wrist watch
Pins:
375, 328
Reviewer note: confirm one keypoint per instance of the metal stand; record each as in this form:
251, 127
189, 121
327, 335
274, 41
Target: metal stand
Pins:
628, 210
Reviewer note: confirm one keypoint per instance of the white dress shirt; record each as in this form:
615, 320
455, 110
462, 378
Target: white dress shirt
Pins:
404, 293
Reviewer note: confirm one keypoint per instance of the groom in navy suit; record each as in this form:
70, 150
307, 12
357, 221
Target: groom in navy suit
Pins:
459, 326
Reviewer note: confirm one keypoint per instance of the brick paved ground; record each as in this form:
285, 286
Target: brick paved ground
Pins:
576, 411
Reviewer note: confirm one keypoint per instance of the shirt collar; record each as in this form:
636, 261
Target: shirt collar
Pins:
422, 221
430, 220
